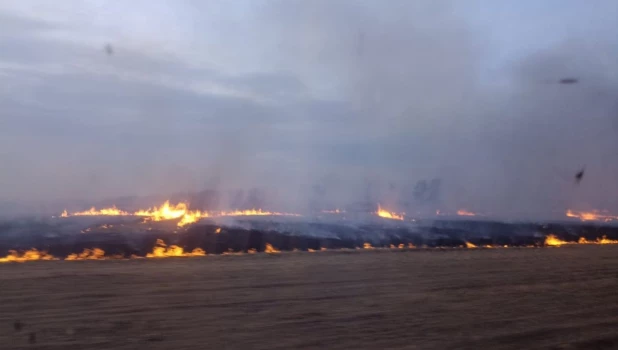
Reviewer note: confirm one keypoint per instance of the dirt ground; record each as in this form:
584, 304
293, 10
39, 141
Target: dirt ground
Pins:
551, 298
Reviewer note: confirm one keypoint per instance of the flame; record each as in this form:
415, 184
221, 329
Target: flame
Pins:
411, 246
161, 250
605, 240
252, 251
29, 255
590, 216
552, 240
113, 211
601, 240
269, 249
169, 212
311, 250
463, 212
470, 245
389, 215
367, 245
87, 254
218, 230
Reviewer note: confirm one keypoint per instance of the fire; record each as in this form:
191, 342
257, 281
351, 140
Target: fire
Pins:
311, 250
470, 245
463, 212
367, 245
161, 250
170, 212
269, 249
389, 215
605, 240
179, 211
590, 216
552, 240
29, 255
601, 240
218, 230
113, 211
87, 254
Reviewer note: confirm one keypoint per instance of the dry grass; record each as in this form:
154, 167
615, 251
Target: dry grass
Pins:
564, 298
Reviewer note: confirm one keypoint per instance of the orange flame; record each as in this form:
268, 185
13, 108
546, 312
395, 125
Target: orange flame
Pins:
389, 215
463, 212
553, 241
470, 245
590, 216
113, 211
29, 255
367, 245
87, 254
269, 249
601, 240
605, 240
161, 250
169, 212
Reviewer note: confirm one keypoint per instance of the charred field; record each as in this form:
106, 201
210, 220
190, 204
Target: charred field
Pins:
130, 236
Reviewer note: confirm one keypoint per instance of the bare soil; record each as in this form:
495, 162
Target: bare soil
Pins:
544, 298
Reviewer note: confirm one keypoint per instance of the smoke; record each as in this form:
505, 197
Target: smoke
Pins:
313, 105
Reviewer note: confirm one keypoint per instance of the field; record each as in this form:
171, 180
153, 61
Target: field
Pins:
543, 298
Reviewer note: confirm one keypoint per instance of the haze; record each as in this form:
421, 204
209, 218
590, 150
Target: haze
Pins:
317, 103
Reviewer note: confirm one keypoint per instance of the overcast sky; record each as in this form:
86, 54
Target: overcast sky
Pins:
287, 95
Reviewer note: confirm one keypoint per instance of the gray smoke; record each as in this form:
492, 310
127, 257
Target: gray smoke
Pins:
302, 105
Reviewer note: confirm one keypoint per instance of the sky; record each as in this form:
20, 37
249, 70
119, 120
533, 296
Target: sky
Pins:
317, 103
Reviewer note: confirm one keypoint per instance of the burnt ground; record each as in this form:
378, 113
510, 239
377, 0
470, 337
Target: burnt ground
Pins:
543, 298
128, 236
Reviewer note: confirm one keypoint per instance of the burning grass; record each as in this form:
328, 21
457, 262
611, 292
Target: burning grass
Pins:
554, 241
29, 255
179, 211
162, 250
591, 215
230, 241
389, 215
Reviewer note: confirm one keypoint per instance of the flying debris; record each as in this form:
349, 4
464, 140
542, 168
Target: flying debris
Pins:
109, 49
579, 176
567, 81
